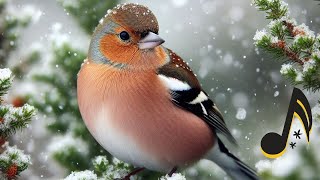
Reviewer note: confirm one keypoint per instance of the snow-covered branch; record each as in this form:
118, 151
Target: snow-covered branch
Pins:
286, 39
12, 160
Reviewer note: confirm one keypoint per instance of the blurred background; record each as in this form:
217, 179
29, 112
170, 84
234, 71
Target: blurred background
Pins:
216, 39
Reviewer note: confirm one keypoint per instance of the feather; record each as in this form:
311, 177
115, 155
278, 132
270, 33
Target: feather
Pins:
187, 93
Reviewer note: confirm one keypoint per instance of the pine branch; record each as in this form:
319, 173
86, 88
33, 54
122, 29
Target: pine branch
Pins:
286, 40
13, 161
275, 9
13, 119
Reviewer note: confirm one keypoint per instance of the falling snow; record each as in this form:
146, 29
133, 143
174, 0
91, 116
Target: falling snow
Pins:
241, 114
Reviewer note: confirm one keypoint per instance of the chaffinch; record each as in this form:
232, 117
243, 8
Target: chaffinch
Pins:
143, 103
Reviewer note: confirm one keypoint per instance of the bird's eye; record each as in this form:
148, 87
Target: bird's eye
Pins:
124, 35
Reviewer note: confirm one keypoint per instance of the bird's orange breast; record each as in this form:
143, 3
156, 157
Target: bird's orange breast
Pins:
138, 107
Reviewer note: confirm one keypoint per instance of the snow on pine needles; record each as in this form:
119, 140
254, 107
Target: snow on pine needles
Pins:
12, 160
285, 39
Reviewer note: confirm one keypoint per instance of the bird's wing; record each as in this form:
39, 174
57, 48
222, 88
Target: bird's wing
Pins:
187, 93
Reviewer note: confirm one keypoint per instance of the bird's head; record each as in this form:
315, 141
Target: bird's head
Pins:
128, 37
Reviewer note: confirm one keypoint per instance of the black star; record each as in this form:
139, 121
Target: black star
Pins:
297, 134
292, 144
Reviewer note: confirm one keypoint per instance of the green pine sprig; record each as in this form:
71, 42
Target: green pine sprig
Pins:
275, 9
287, 41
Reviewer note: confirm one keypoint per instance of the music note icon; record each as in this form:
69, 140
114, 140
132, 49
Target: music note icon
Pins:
273, 145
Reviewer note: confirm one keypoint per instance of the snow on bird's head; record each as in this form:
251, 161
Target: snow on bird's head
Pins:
133, 16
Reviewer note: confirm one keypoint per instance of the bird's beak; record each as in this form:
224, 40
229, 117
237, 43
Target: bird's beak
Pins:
152, 40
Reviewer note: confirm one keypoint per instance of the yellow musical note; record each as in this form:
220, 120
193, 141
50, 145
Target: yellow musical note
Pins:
273, 145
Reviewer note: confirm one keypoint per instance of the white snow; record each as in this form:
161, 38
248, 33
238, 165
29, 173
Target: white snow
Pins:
21, 110
263, 165
116, 161
100, 159
285, 68
299, 76
116, 169
317, 53
308, 65
281, 166
260, 34
288, 20
273, 23
274, 39
241, 114
15, 155
62, 143
7, 118
283, 5
304, 28
101, 21
175, 176
5, 74
82, 175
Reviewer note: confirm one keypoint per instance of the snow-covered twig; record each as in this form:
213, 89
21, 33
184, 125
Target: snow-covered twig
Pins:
287, 40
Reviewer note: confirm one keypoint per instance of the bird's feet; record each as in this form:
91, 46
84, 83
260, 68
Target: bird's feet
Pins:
132, 173
172, 171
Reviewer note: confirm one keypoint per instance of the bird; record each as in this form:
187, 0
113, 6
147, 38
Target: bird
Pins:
143, 103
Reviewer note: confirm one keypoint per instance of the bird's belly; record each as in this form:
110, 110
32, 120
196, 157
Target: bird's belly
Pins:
123, 145
155, 138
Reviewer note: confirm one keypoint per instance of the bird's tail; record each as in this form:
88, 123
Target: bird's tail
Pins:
233, 166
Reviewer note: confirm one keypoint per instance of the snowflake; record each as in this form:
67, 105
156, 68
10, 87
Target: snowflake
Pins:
241, 114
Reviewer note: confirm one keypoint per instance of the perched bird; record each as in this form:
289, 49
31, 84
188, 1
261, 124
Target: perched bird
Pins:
143, 103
